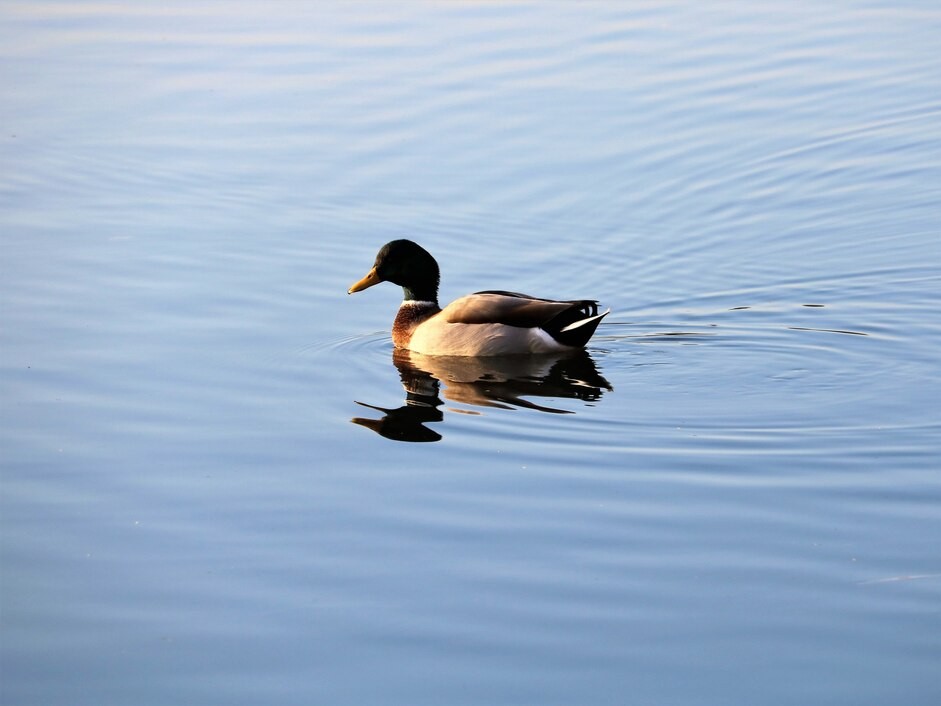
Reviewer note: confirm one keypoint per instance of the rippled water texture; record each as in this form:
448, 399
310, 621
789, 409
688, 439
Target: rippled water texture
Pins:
221, 484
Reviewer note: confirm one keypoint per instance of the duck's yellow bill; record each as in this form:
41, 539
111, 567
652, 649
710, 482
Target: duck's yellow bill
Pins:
371, 278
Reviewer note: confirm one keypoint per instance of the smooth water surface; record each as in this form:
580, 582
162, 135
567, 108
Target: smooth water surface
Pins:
221, 485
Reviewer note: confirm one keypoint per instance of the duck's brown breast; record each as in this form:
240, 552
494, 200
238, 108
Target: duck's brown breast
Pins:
409, 316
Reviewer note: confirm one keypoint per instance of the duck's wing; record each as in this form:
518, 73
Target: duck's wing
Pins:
520, 310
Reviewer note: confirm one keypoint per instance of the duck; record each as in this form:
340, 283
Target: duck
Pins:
487, 323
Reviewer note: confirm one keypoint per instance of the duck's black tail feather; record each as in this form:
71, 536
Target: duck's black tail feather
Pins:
577, 324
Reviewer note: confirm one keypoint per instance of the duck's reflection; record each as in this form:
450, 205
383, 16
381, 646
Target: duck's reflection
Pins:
481, 382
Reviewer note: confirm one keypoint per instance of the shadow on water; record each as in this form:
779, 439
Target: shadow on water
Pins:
502, 383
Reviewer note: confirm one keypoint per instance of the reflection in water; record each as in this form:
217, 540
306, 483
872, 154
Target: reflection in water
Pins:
482, 382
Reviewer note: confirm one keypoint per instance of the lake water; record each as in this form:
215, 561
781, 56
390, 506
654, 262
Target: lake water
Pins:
211, 487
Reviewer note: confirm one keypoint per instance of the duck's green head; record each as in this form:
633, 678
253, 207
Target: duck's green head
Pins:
406, 264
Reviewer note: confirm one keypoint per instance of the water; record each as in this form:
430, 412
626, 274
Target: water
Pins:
732, 498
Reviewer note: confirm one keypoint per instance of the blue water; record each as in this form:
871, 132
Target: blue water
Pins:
212, 490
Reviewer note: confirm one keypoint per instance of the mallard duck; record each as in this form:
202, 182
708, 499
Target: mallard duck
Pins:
481, 324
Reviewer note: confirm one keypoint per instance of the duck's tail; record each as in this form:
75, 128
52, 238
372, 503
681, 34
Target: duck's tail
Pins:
576, 325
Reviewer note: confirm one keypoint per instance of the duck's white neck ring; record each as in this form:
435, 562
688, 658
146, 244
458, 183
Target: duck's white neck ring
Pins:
417, 302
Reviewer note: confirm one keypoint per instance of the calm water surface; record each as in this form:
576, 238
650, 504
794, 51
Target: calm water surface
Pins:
212, 490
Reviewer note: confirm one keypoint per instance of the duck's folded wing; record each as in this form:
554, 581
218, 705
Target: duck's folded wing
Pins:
520, 310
